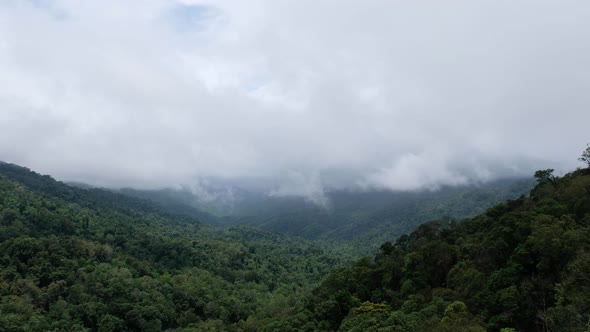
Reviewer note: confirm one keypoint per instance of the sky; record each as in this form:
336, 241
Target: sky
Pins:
294, 96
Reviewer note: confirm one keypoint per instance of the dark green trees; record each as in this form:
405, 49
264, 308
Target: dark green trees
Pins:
545, 176
585, 157
89, 260
521, 266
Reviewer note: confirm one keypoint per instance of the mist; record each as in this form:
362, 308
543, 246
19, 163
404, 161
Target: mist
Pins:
294, 97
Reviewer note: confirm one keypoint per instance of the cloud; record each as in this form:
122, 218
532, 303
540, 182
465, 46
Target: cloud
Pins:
303, 185
412, 172
380, 94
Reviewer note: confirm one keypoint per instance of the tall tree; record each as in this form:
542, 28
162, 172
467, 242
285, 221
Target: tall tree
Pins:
585, 157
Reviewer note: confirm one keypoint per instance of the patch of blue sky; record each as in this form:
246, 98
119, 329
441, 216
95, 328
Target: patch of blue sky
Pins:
191, 18
255, 83
50, 8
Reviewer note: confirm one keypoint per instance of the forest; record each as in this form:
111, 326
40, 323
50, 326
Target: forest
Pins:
354, 223
73, 259
76, 259
523, 265
294, 166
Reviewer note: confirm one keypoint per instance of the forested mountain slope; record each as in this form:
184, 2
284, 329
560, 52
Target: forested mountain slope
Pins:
357, 223
74, 260
524, 265
353, 222
96, 198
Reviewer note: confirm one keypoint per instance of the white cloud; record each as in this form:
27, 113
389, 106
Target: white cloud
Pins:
307, 185
398, 95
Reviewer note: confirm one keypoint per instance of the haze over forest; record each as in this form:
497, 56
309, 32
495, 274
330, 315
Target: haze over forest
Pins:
294, 166
293, 97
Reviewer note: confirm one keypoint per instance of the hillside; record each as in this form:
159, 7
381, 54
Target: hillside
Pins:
73, 259
521, 266
355, 222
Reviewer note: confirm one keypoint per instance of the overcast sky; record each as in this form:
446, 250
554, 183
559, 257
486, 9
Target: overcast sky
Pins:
401, 95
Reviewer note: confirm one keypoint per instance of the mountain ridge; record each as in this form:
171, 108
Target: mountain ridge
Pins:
520, 266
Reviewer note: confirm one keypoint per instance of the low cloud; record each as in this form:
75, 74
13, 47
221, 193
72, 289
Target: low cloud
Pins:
414, 172
302, 185
298, 95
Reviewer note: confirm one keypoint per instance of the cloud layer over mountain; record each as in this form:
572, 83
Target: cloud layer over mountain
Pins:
299, 95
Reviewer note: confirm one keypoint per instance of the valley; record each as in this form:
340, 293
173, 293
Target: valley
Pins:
76, 259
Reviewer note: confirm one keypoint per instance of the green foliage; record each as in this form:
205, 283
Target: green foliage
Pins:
545, 176
585, 157
73, 259
521, 266
367, 317
356, 223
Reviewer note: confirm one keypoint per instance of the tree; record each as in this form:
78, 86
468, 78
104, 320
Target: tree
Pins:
545, 175
585, 157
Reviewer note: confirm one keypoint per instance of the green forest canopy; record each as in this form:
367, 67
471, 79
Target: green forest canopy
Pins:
74, 259
77, 259
521, 266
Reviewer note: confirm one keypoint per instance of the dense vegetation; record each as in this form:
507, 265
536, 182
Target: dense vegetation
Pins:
74, 259
355, 223
524, 265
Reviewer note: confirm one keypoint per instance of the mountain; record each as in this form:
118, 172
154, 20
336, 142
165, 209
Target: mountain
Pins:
74, 259
354, 222
174, 201
523, 265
